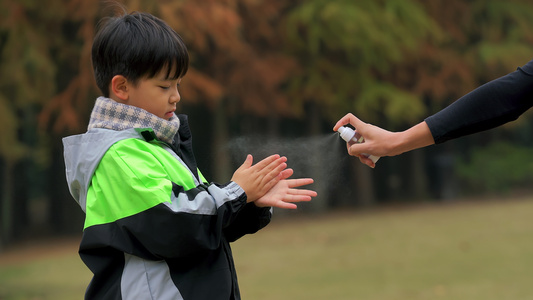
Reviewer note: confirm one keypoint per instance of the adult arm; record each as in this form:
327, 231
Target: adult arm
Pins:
490, 105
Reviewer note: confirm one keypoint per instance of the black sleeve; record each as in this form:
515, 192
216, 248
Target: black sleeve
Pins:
490, 105
249, 220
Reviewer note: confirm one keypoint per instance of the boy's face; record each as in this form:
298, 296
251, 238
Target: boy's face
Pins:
158, 95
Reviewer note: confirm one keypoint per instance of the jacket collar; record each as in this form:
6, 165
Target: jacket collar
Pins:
110, 114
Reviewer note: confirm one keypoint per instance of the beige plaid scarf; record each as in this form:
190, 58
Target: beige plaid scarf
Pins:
110, 114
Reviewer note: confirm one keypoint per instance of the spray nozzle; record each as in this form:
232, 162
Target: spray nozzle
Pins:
351, 136
348, 134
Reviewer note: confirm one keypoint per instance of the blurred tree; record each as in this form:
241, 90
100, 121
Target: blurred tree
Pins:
26, 80
483, 40
347, 49
45, 81
497, 168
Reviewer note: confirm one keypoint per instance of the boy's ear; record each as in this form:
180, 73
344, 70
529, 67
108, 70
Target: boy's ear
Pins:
119, 87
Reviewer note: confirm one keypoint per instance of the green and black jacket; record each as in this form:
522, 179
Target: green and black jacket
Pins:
154, 228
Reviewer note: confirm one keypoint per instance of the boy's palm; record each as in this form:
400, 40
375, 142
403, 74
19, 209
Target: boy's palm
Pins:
283, 194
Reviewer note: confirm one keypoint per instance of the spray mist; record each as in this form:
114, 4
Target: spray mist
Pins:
351, 137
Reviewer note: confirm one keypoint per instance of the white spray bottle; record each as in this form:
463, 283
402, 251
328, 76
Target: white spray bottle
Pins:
351, 137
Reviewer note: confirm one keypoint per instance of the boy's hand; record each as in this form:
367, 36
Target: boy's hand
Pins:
283, 194
258, 179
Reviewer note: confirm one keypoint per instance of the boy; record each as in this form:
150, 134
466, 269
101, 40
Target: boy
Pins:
154, 227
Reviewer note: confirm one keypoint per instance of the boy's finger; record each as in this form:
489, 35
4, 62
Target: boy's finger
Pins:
248, 162
285, 205
267, 161
274, 176
277, 174
285, 174
275, 167
299, 182
303, 193
300, 197
273, 170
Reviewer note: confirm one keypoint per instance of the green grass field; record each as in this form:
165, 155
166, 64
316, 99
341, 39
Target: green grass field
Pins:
473, 250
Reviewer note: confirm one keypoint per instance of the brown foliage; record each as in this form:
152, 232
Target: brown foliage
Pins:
234, 46
65, 108
237, 50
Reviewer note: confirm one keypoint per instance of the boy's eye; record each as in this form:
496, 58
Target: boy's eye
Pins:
168, 87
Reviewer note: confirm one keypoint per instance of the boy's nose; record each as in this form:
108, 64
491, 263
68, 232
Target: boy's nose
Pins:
175, 97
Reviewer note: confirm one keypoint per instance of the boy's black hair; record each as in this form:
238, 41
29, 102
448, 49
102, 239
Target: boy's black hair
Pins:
136, 46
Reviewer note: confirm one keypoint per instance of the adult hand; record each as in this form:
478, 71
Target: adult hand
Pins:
380, 142
376, 140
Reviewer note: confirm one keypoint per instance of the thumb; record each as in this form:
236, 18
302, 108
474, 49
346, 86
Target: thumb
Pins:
249, 161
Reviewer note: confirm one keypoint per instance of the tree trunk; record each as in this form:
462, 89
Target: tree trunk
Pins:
20, 197
364, 183
321, 202
6, 220
419, 181
222, 165
273, 125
